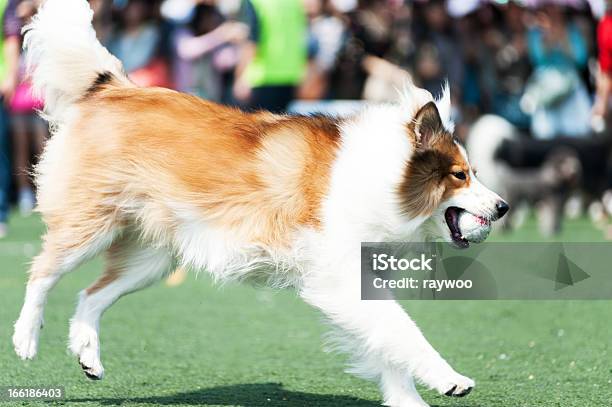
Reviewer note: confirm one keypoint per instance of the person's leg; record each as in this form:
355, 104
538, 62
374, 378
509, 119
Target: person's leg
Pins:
543, 124
282, 96
5, 170
41, 133
259, 98
575, 114
272, 98
21, 156
290, 95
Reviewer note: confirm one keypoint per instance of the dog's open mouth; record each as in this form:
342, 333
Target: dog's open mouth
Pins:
452, 220
459, 238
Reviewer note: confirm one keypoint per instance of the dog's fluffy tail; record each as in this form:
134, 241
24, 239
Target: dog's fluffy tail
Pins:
65, 60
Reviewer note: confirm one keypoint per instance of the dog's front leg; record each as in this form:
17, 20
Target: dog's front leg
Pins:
385, 343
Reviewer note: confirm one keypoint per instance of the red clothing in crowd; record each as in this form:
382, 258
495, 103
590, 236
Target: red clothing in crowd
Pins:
604, 42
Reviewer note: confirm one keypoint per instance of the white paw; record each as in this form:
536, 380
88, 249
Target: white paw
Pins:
85, 345
456, 385
91, 364
25, 338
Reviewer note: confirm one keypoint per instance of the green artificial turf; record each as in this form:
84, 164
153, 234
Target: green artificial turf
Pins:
239, 346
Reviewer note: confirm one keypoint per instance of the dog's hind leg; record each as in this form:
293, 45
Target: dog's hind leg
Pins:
131, 266
66, 245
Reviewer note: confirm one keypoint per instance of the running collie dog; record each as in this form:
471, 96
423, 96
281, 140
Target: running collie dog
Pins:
153, 179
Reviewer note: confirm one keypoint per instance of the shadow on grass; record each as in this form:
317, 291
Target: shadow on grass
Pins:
247, 395
243, 395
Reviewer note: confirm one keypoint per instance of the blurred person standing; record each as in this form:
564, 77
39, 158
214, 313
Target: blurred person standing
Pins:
273, 60
504, 65
604, 75
136, 41
29, 129
601, 108
369, 35
326, 31
9, 61
438, 57
388, 49
102, 18
556, 95
206, 48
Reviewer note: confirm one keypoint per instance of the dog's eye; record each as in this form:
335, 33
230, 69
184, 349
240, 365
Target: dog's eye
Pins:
459, 175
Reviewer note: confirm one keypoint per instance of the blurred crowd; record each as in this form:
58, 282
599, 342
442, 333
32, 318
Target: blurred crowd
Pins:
532, 62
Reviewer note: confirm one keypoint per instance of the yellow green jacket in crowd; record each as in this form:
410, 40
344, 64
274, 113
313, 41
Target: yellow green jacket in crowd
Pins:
281, 50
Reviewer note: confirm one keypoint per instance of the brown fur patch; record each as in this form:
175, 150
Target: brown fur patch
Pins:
107, 278
117, 263
428, 178
260, 176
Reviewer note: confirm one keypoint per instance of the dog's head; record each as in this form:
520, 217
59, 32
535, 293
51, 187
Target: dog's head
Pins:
439, 183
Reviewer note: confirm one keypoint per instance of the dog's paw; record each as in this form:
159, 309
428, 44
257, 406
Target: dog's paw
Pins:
458, 386
446, 381
85, 345
25, 339
92, 367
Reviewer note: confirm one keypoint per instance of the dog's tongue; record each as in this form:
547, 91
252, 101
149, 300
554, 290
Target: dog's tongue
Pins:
482, 221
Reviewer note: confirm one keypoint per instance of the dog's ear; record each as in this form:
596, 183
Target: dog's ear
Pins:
426, 125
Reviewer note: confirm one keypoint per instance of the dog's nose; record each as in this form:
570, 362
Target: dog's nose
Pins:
502, 208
